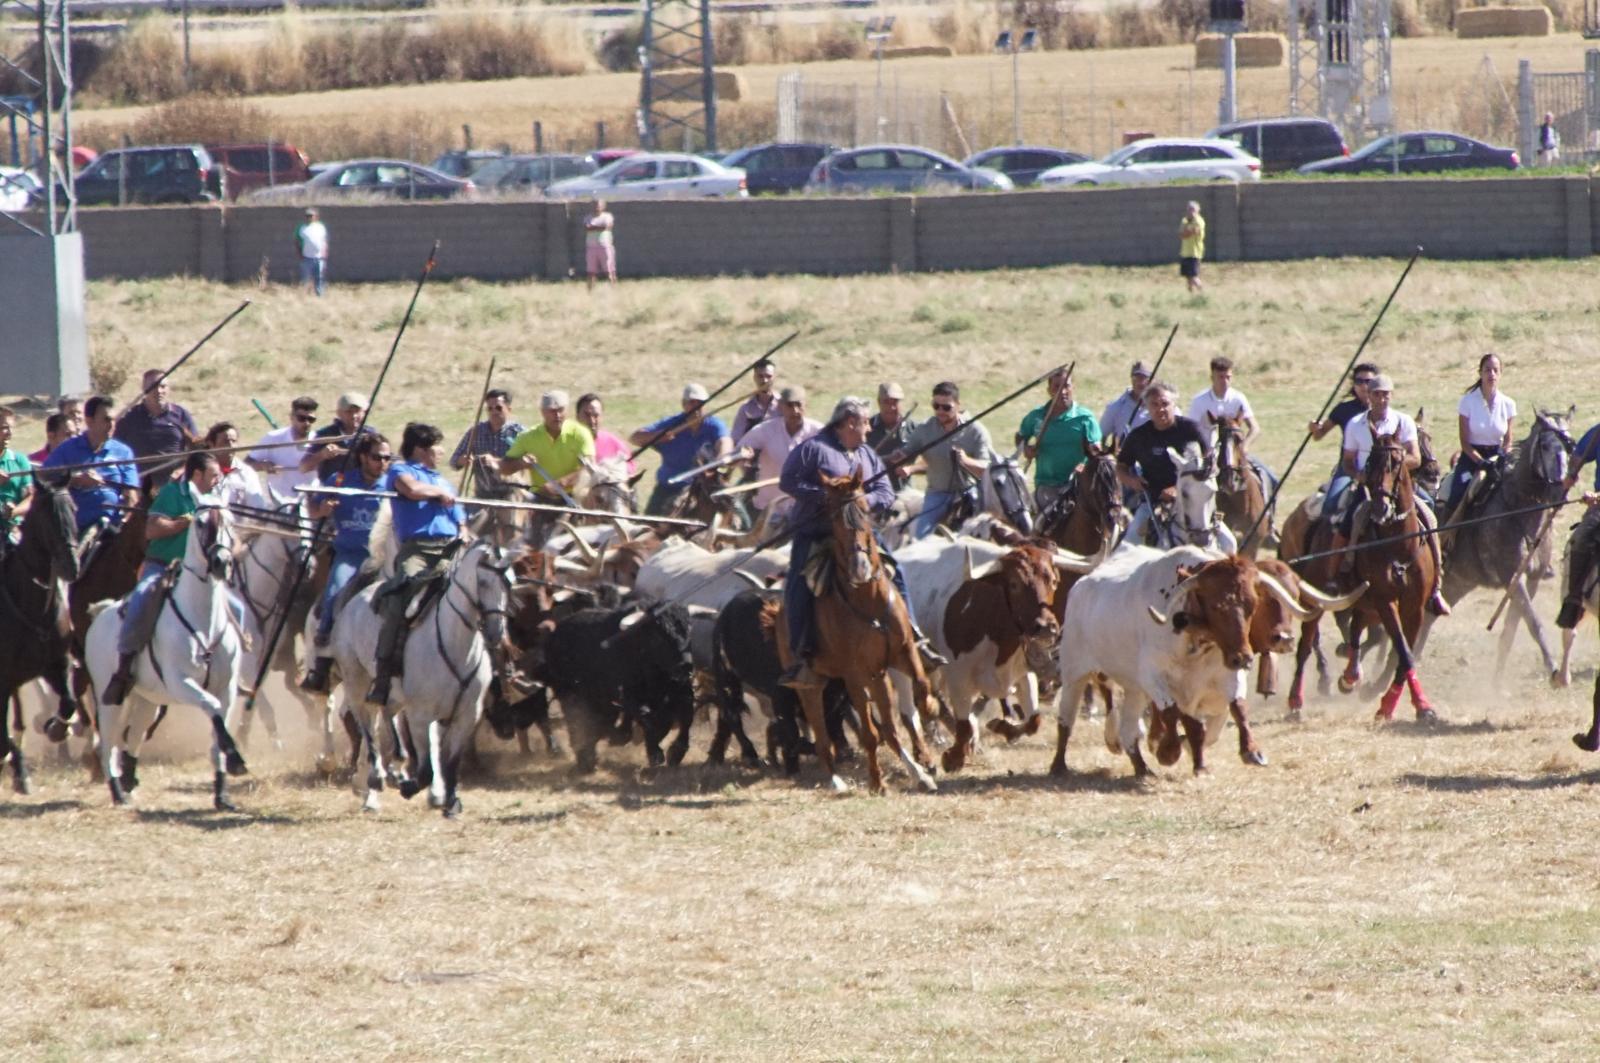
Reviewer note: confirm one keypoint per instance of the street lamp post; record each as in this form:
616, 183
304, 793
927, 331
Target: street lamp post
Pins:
879, 28
1008, 41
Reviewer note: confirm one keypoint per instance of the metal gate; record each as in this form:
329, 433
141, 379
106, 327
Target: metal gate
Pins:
1572, 101
851, 114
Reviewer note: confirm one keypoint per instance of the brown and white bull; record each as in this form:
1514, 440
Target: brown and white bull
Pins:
981, 605
1173, 629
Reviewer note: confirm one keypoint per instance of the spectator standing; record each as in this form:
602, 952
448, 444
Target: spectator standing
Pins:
281, 465
485, 443
599, 243
890, 430
324, 459
1057, 436
683, 440
1191, 245
156, 427
761, 405
16, 480
1549, 141
311, 238
1127, 411
770, 444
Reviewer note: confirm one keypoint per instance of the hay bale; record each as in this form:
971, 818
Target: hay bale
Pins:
1249, 49
731, 86
1504, 22
917, 51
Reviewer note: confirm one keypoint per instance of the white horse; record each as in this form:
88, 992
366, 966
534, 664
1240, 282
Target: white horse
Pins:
1195, 521
446, 673
193, 659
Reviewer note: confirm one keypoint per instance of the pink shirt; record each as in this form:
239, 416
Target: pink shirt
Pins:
609, 446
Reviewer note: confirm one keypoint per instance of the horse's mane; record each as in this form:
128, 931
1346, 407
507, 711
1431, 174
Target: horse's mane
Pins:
382, 544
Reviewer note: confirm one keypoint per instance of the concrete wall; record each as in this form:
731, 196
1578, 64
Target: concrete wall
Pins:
1274, 220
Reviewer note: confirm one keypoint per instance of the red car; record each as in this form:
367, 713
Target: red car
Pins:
253, 166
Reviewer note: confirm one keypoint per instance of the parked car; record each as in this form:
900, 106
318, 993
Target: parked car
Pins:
19, 189
464, 163
1425, 152
777, 167
900, 168
1284, 143
1155, 160
253, 166
654, 175
1023, 164
603, 157
170, 173
529, 173
393, 178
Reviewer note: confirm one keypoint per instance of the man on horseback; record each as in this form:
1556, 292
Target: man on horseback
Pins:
1127, 411
967, 451
353, 517
890, 429
166, 536
427, 521
1222, 399
554, 454
156, 426
839, 450
681, 440
769, 444
486, 442
1057, 436
1346, 494
104, 493
1585, 542
1145, 449
16, 480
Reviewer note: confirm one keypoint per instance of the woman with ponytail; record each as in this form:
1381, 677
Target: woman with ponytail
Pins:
1485, 414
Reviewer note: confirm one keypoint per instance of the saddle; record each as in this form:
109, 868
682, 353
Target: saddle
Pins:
418, 592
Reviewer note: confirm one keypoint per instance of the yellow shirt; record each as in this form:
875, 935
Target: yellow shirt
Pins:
1192, 237
559, 456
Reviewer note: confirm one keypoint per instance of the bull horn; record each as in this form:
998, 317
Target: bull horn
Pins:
1067, 561
1280, 592
599, 562
1156, 615
578, 541
622, 531
751, 578
1328, 601
980, 571
566, 564
631, 619
700, 610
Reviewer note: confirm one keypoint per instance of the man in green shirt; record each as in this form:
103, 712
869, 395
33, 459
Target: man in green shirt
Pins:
16, 480
554, 454
167, 537
1057, 436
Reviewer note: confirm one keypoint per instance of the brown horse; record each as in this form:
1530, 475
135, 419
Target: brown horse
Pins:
862, 632
1241, 496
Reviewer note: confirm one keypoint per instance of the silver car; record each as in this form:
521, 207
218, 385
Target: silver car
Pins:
654, 175
1156, 160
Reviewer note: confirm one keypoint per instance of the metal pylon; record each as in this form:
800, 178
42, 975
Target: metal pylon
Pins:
678, 111
1339, 64
38, 119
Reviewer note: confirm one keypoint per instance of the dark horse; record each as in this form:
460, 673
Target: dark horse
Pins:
34, 577
1502, 554
1242, 495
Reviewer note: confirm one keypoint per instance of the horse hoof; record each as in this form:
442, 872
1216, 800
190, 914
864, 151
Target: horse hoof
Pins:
1427, 717
55, 729
1293, 715
234, 763
839, 785
453, 809
223, 804
1589, 741
326, 766
1058, 770
1254, 757
435, 801
1348, 683
409, 789
22, 784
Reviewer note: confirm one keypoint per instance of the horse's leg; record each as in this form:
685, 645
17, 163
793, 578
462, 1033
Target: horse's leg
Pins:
11, 748
1302, 653
1589, 741
1561, 678
1249, 752
1405, 674
1352, 671
109, 723
1068, 699
821, 741
887, 711
1522, 599
861, 698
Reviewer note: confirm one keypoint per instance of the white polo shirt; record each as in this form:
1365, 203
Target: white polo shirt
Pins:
1230, 403
288, 476
772, 443
1486, 422
1359, 437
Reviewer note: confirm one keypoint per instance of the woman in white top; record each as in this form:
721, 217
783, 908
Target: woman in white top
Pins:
1486, 415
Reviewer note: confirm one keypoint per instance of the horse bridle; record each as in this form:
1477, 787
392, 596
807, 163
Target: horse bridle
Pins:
1394, 466
464, 677
1230, 474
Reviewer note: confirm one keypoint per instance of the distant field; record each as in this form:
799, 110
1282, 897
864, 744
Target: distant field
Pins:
1079, 99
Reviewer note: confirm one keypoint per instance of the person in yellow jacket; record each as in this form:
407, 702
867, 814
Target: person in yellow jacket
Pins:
1191, 245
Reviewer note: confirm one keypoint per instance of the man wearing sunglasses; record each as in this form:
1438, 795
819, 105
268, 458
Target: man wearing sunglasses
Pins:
280, 465
968, 450
769, 444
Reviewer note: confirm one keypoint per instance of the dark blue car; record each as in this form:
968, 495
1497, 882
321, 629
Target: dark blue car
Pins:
777, 167
1024, 164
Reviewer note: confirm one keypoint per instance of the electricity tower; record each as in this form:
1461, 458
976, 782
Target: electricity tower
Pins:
677, 82
1339, 64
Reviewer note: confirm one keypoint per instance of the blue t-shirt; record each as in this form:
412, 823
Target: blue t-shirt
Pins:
413, 519
1587, 451
678, 454
354, 515
96, 502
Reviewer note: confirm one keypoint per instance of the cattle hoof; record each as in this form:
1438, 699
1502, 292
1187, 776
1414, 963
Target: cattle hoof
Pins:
953, 759
437, 801
234, 763
326, 766
1560, 680
410, 788
223, 804
1254, 757
55, 729
452, 810
1169, 751
1589, 741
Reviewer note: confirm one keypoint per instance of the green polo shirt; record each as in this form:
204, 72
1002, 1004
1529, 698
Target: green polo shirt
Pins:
1071, 431
559, 456
16, 465
173, 500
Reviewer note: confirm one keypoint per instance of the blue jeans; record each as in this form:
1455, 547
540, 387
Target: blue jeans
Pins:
139, 622
935, 504
345, 565
800, 606
314, 271
1461, 478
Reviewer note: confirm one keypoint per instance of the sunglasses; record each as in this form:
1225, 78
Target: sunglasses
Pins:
1364, 381
379, 457
943, 407
305, 418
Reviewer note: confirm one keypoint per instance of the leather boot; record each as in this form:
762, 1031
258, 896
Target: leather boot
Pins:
379, 692
1578, 564
801, 676
1347, 560
316, 680
121, 681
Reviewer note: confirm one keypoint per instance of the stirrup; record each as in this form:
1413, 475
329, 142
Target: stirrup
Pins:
800, 676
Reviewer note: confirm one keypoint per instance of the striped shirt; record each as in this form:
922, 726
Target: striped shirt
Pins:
483, 439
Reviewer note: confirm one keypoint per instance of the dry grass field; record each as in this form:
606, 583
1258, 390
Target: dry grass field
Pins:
1080, 99
1376, 892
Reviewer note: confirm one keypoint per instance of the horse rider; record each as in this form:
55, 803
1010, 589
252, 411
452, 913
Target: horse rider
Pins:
166, 538
56, 432
353, 517
350, 419
281, 465
428, 522
1485, 415
554, 453
1145, 449
967, 451
608, 446
1222, 399
240, 483
684, 440
839, 450
485, 443
104, 494
1127, 411
1057, 436
16, 480
1348, 408
890, 429
1585, 540
769, 444
156, 426
1360, 436
761, 406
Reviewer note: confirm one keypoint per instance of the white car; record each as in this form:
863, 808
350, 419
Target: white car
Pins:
654, 175
1155, 160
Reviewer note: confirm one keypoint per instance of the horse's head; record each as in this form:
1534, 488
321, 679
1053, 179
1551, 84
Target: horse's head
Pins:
1231, 458
1428, 472
610, 489
1005, 494
1197, 492
855, 549
1549, 447
52, 524
211, 538
490, 567
1388, 481
1097, 489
